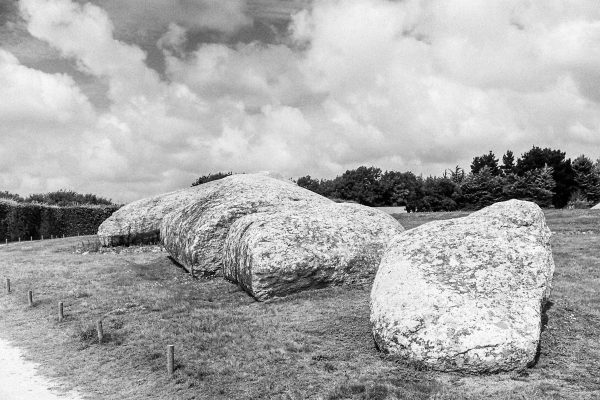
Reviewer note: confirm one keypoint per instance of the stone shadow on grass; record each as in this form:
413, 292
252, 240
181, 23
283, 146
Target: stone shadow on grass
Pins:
547, 306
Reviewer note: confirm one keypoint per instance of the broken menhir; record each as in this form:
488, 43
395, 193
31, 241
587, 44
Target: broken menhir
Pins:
466, 294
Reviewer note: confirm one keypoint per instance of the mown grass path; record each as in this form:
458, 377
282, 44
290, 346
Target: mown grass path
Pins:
19, 380
314, 344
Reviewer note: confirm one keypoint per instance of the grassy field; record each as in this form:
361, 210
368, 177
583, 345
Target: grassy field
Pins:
313, 345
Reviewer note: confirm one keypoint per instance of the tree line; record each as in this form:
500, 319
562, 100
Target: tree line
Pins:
541, 175
60, 198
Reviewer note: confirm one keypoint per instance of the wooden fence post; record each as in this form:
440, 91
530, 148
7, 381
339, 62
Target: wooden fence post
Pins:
170, 359
100, 331
61, 315
30, 298
7, 286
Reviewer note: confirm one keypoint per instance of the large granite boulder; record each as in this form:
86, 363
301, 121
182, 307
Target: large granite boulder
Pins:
466, 294
296, 248
272, 236
194, 234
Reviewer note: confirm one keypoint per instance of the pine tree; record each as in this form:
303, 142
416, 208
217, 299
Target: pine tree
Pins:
457, 175
587, 179
487, 160
508, 162
481, 189
562, 174
535, 185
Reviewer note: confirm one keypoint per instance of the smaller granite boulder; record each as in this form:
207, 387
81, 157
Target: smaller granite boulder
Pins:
298, 248
466, 294
140, 221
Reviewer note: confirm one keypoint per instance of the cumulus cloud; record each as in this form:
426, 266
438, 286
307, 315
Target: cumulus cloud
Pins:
404, 85
419, 82
458, 76
35, 97
35, 108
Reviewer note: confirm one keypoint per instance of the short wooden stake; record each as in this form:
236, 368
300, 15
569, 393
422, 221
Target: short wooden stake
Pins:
7, 286
170, 359
31, 238
42, 237
100, 331
61, 315
19, 239
63, 235
6, 241
51, 236
30, 298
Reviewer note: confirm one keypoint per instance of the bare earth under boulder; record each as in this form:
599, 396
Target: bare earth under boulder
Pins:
466, 294
292, 249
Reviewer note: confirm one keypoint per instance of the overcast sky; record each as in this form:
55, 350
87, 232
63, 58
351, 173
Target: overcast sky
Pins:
131, 98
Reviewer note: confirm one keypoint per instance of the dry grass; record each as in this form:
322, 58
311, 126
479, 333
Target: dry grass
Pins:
311, 345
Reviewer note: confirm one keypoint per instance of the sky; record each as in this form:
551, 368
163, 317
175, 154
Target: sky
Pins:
128, 99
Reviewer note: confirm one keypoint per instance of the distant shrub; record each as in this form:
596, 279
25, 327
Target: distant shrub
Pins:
24, 220
65, 197
578, 200
10, 196
211, 177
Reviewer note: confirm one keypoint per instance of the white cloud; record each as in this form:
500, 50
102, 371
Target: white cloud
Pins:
173, 40
443, 81
86, 34
40, 116
254, 74
31, 96
404, 85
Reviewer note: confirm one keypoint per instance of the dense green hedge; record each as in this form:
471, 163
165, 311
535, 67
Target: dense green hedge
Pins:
25, 220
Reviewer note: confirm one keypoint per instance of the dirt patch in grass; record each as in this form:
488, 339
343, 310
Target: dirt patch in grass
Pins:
312, 345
